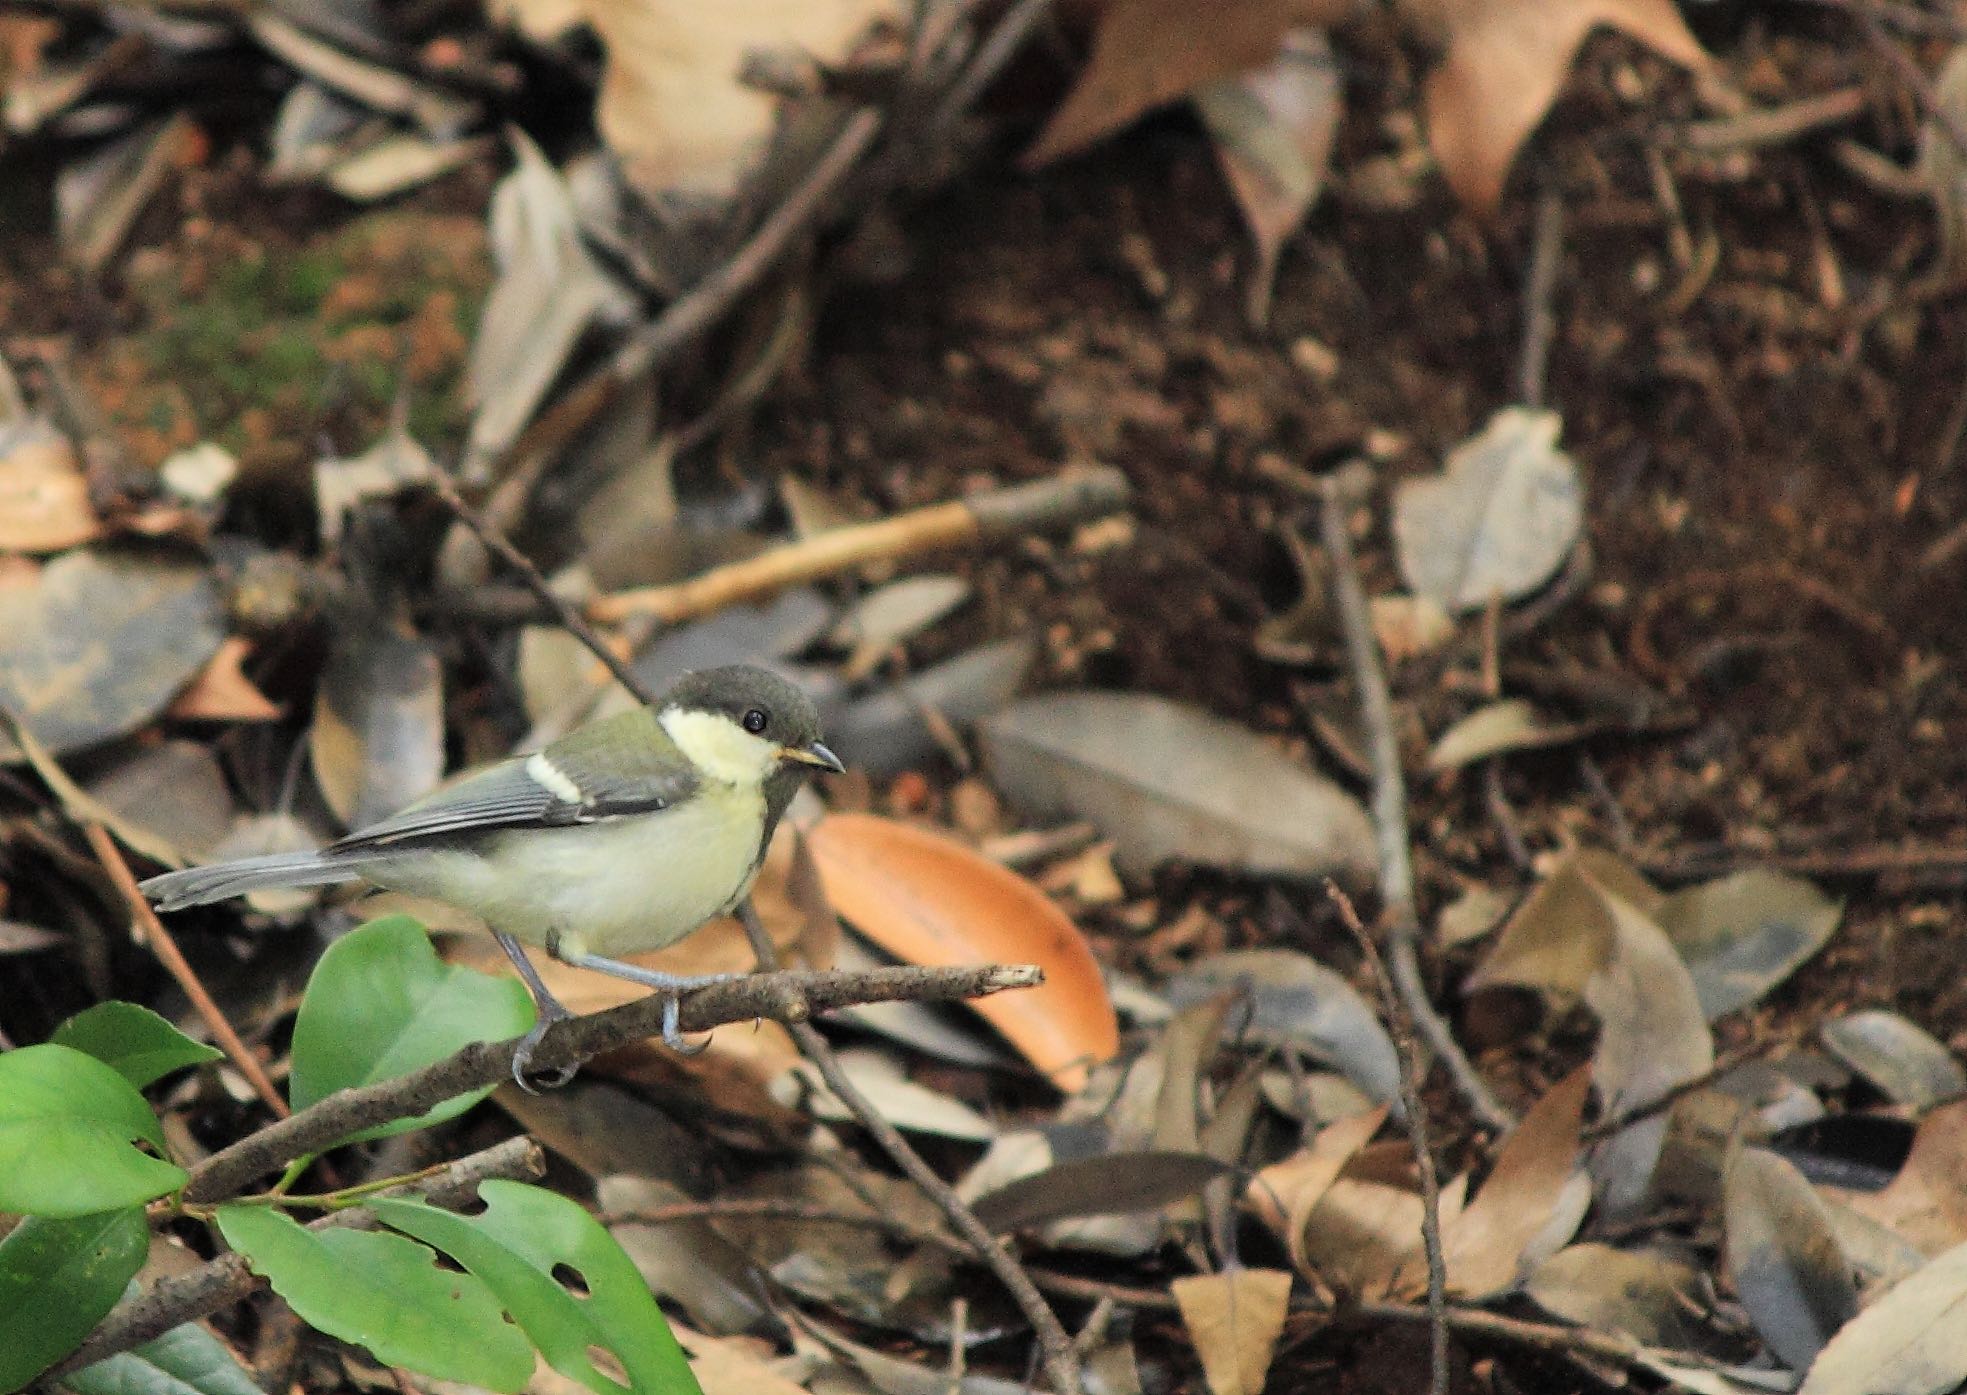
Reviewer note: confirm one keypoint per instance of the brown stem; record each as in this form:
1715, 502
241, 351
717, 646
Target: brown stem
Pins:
789, 997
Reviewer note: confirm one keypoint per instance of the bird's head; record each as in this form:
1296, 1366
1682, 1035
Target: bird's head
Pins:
745, 724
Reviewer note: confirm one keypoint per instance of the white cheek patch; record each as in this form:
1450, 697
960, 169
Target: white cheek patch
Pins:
719, 747
553, 779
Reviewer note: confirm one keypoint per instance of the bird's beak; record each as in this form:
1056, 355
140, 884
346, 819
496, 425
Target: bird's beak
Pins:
814, 755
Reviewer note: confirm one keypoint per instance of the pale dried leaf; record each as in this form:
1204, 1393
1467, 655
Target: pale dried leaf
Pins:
378, 736
1563, 932
1500, 518
1234, 1318
1494, 730
1745, 933
1648, 1295
1926, 1202
1504, 64
1911, 1341
1286, 1193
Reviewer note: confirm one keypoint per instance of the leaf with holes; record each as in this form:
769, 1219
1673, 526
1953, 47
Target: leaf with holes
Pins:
381, 1004
524, 1236
69, 1126
58, 1279
386, 1293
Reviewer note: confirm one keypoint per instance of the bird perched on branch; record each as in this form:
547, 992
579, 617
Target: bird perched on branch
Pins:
623, 836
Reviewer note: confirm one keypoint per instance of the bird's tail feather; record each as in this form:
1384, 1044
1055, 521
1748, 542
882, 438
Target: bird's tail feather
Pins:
195, 886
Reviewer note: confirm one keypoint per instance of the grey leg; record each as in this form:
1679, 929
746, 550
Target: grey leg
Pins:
551, 1011
673, 986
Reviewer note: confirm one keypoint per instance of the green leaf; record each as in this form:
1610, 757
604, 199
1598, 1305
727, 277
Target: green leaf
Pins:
66, 1125
382, 1004
139, 1044
58, 1279
187, 1360
523, 1236
385, 1293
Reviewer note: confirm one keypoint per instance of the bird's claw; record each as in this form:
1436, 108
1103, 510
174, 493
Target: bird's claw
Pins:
522, 1057
672, 1035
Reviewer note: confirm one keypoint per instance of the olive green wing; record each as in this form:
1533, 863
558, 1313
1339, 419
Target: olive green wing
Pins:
608, 769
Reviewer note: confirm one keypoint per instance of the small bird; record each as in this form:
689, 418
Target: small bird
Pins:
623, 836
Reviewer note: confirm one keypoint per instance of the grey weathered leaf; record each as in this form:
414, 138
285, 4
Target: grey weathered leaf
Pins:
1102, 1186
1783, 1256
1498, 521
1170, 782
99, 640
1273, 128
1911, 1341
1902, 1060
891, 614
1294, 998
883, 732
176, 791
378, 738
1745, 933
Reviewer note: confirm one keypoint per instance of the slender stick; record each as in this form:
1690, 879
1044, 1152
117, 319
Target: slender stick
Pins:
789, 997
172, 958
1417, 1136
1403, 927
1060, 1363
225, 1280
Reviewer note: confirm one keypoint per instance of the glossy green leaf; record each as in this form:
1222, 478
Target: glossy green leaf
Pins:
136, 1042
67, 1125
187, 1360
386, 1293
58, 1279
523, 1236
382, 1004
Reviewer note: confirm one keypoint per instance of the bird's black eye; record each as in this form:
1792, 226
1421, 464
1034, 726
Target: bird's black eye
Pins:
755, 720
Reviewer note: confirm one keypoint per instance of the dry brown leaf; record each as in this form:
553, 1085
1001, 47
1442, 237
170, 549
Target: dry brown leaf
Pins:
1234, 1318
1504, 64
1147, 52
222, 692
927, 899
44, 496
1483, 1249
726, 1366
1285, 1193
1362, 1234
1927, 1202
1563, 933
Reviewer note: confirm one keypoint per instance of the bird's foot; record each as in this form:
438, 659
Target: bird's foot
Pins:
672, 986
522, 1058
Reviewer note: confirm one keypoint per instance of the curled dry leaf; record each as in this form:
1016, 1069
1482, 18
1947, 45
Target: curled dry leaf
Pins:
44, 497
1148, 52
1273, 128
1168, 781
1903, 1061
1499, 519
1234, 1318
1783, 1257
1504, 63
1563, 931
96, 642
927, 899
